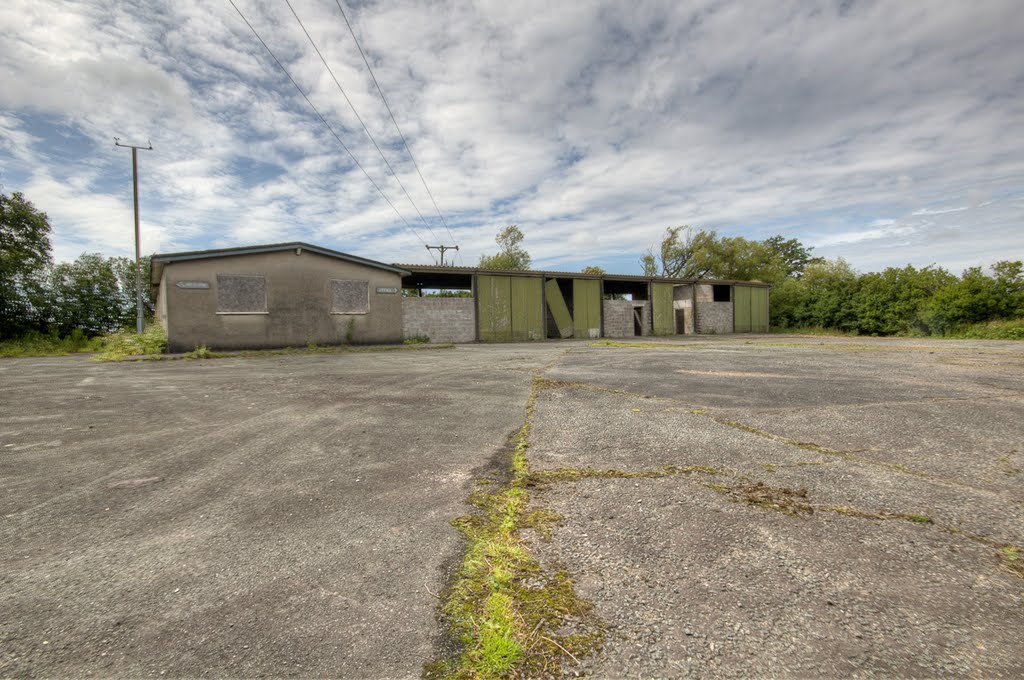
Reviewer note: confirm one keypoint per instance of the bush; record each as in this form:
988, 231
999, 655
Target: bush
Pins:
992, 330
36, 344
125, 343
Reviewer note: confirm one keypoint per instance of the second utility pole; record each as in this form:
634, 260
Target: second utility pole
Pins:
443, 250
135, 195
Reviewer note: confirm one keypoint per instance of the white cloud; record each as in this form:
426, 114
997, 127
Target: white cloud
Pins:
592, 125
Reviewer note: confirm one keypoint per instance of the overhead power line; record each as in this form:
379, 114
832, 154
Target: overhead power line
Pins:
360, 119
324, 121
393, 120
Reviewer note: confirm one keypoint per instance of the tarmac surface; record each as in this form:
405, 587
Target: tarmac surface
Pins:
838, 507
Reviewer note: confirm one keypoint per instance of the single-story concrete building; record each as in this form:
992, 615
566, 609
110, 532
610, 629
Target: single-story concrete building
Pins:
292, 294
280, 295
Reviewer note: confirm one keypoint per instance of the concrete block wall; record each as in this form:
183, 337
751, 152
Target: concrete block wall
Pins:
618, 318
712, 317
440, 319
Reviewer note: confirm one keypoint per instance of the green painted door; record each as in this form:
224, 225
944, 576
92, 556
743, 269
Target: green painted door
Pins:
586, 308
759, 310
509, 308
664, 316
741, 309
494, 298
527, 310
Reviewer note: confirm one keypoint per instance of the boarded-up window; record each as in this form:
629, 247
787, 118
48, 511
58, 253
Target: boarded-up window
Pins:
241, 294
350, 297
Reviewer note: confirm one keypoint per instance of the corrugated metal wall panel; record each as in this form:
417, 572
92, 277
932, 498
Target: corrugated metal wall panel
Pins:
741, 309
664, 316
495, 300
510, 308
758, 310
586, 307
527, 310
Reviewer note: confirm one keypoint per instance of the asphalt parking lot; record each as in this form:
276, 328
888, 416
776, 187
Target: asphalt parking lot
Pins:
853, 508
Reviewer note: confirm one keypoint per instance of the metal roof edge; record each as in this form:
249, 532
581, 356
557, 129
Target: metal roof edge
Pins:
168, 258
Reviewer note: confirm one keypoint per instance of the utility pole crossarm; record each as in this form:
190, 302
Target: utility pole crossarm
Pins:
443, 250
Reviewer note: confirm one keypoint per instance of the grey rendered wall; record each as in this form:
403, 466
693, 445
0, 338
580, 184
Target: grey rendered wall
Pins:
712, 317
298, 303
618, 318
440, 319
161, 302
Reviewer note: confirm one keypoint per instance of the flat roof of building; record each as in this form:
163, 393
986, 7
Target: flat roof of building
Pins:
439, 271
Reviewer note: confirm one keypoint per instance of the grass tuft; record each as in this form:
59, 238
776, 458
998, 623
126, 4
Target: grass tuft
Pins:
511, 617
1012, 559
36, 344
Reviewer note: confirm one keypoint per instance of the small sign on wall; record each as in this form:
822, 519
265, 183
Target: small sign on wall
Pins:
387, 291
193, 285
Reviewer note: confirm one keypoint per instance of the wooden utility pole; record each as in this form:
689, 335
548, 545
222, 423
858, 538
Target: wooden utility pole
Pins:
443, 250
135, 195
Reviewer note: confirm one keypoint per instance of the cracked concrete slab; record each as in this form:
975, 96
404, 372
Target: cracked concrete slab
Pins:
694, 585
293, 521
289, 516
906, 475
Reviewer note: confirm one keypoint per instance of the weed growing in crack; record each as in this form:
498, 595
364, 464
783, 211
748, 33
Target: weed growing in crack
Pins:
543, 477
1012, 559
510, 616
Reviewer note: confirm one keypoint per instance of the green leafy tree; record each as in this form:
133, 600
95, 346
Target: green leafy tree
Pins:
85, 294
790, 256
1009, 288
593, 269
678, 254
977, 297
512, 255
895, 300
741, 259
823, 297
24, 256
124, 271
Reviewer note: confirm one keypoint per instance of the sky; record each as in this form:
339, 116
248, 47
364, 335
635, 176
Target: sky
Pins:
886, 133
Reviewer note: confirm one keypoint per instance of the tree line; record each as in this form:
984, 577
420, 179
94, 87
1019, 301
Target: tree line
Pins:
94, 294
